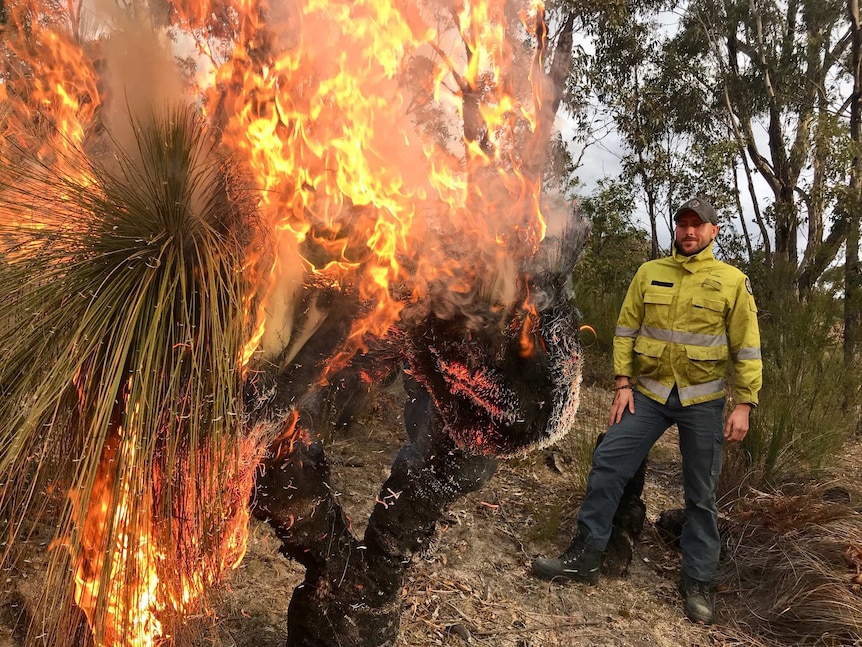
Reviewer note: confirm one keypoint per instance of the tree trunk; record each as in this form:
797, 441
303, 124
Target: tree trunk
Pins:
852, 293
548, 89
852, 274
473, 394
352, 590
653, 218
742, 223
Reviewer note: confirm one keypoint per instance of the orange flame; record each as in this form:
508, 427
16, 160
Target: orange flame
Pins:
52, 95
121, 624
384, 139
128, 551
323, 120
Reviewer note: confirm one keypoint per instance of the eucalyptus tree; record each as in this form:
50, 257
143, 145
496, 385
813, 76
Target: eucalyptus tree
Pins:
569, 25
776, 67
852, 271
703, 92
651, 87
623, 74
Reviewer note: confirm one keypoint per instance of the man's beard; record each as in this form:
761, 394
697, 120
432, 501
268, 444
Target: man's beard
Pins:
694, 253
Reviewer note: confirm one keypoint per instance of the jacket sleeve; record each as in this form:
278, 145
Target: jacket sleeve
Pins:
743, 335
628, 324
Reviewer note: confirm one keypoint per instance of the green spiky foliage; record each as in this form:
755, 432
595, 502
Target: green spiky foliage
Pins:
121, 326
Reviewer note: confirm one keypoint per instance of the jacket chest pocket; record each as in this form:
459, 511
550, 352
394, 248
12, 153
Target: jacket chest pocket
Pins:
657, 307
707, 314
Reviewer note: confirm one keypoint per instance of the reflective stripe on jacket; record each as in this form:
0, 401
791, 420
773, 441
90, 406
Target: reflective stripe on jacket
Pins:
682, 317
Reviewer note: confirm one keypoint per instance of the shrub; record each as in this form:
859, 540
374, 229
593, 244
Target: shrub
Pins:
803, 420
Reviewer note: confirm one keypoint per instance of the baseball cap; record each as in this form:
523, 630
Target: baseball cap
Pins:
699, 206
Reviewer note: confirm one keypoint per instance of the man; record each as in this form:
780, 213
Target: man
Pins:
683, 316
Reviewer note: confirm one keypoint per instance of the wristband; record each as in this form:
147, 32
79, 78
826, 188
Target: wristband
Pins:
625, 386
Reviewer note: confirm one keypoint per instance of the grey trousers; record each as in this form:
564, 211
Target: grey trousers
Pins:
627, 443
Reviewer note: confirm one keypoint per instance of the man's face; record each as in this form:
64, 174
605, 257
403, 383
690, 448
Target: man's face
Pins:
693, 234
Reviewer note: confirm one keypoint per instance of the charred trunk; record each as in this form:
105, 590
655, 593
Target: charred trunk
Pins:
340, 601
352, 589
484, 382
428, 475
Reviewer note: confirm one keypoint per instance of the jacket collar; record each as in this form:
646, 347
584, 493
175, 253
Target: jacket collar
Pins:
695, 262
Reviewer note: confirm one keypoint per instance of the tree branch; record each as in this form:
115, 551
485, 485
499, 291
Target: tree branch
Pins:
548, 90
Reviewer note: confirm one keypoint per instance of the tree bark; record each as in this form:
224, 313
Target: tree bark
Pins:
341, 600
742, 223
548, 90
788, 149
739, 137
852, 270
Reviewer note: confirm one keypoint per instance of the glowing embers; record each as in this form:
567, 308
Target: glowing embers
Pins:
482, 387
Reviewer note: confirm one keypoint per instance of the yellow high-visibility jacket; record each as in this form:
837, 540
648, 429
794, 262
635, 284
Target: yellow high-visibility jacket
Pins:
682, 318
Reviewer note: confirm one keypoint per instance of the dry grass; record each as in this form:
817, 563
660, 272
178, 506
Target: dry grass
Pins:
795, 562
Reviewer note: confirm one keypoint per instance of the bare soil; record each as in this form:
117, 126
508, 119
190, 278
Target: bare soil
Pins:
474, 586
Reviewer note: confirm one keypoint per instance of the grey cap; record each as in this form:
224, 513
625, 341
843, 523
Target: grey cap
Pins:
699, 206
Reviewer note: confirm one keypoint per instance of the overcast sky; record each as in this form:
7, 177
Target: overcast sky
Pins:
601, 160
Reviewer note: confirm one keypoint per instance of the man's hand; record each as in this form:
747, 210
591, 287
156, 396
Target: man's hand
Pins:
623, 399
737, 423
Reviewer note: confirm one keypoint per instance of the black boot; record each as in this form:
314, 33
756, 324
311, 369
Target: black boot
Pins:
698, 597
579, 562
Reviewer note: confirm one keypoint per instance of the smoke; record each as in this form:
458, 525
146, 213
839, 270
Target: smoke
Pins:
139, 74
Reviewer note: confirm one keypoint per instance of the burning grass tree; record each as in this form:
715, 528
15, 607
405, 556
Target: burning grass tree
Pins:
122, 324
177, 280
494, 384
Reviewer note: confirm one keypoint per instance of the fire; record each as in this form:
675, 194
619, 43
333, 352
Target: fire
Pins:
59, 92
128, 550
142, 578
323, 119
385, 140
131, 550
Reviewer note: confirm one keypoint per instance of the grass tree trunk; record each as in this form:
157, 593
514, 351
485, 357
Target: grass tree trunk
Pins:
474, 394
351, 594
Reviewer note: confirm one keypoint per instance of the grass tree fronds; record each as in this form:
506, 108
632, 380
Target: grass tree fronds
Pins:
121, 329
802, 422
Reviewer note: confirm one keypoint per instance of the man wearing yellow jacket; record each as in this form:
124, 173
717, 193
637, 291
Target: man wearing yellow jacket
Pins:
682, 318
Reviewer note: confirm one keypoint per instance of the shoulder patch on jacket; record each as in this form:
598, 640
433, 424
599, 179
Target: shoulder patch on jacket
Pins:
748, 285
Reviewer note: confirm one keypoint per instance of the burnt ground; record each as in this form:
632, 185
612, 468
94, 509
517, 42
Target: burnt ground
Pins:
473, 586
